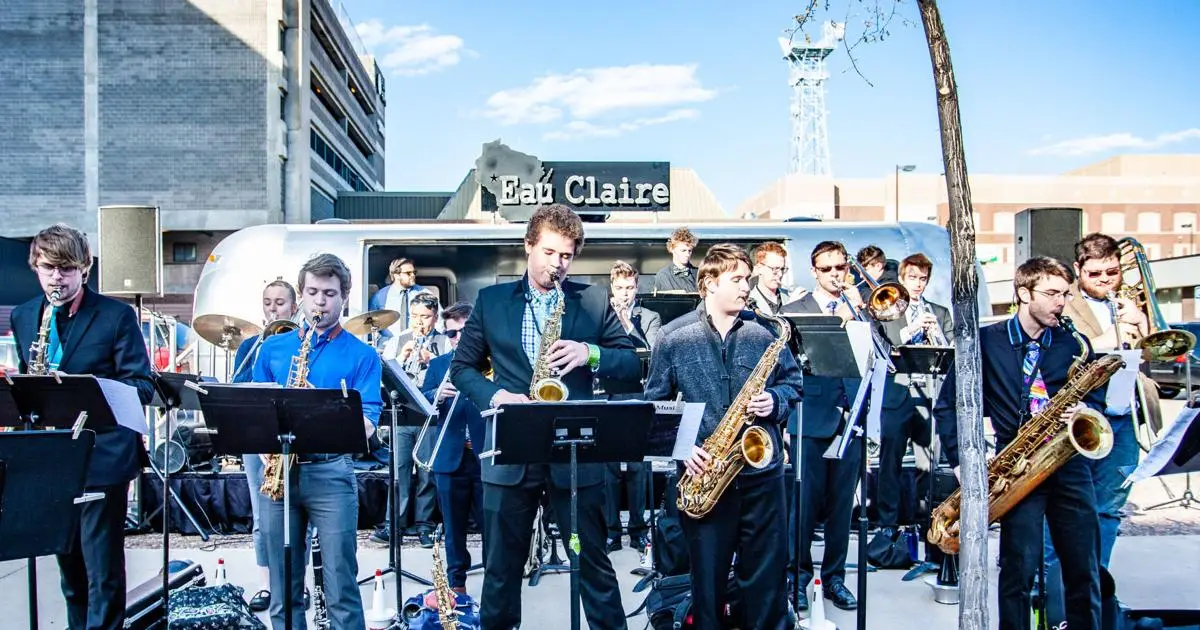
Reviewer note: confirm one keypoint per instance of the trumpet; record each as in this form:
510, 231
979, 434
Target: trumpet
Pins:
934, 337
437, 445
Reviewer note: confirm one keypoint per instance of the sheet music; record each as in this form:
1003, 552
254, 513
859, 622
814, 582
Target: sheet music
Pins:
1161, 453
1121, 385
860, 341
125, 404
689, 429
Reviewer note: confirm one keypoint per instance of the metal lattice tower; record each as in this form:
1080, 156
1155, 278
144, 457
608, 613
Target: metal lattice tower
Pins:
806, 76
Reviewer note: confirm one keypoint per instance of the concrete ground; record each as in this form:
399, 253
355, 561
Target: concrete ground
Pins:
1155, 564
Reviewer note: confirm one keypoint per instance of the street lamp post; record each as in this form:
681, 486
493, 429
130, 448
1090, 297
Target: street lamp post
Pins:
1191, 237
907, 168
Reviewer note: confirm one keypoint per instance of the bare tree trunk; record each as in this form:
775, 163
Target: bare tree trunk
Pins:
973, 586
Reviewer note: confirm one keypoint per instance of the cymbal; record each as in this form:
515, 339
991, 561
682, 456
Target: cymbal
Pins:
363, 323
224, 330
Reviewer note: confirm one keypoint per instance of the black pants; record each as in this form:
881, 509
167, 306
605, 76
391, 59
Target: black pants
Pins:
635, 479
93, 572
1066, 502
748, 519
508, 513
460, 495
827, 494
898, 427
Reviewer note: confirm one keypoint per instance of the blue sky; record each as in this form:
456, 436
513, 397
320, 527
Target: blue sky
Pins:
1045, 86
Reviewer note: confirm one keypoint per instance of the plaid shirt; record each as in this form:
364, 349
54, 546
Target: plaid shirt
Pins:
539, 306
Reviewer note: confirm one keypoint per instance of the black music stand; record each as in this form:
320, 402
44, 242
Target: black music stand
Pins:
283, 421
669, 306
930, 361
41, 481
592, 432
406, 406
825, 347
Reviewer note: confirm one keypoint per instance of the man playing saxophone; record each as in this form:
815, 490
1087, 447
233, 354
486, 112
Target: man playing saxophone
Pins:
712, 355
572, 334
1026, 361
324, 491
88, 333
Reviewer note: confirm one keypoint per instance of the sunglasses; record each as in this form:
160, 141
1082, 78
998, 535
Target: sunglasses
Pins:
1107, 273
452, 334
838, 268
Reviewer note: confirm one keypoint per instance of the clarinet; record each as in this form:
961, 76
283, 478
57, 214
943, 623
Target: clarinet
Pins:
320, 610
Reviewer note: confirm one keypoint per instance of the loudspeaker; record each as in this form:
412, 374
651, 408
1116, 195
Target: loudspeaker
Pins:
1049, 232
130, 250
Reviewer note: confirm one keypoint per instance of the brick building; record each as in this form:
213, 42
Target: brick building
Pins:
224, 113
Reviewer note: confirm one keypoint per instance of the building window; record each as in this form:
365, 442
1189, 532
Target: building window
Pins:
1083, 223
339, 165
1182, 249
183, 252
1153, 251
1003, 222
282, 104
1185, 222
320, 205
1149, 222
282, 36
1112, 223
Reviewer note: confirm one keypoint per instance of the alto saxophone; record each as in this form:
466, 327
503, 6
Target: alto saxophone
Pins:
272, 485
441, 587
1042, 445
737, 441
546, 386
39, 350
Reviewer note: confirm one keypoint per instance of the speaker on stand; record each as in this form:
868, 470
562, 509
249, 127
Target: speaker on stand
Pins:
1049, 232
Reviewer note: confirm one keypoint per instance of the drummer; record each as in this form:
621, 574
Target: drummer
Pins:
279, 305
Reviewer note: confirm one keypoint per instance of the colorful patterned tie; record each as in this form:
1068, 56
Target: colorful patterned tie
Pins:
1038, 398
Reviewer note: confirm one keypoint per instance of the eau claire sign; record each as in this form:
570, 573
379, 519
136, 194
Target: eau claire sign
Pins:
515, 184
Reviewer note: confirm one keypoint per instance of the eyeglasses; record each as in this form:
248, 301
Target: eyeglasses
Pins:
451, 334
49, 269
407, 273
1053, 295
839, 268
779, 270
1108, 273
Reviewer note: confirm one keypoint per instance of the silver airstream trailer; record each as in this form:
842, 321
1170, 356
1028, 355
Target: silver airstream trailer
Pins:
456, 260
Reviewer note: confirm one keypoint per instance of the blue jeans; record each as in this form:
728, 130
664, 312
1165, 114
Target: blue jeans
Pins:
324, 495
1110, 499
254, 478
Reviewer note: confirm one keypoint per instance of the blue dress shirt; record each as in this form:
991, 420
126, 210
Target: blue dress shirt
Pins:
334, 356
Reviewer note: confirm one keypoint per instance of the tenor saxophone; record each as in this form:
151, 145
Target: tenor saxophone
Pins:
737, 441
272, 485
39, 350
1042, 445
546, 386
441, 587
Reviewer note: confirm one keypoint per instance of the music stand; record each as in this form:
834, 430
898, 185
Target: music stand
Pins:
669, 306
42, 475
570, 432
403, 401
825, 346
283, 421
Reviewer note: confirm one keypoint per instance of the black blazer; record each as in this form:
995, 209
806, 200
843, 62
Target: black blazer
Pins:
824, 398
494, 332
466, 418
106, 342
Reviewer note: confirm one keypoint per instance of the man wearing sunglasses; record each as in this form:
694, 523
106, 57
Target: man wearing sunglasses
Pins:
828, 489
455, 467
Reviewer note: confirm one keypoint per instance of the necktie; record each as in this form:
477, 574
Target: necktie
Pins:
1038, 398
831, 307
919, 335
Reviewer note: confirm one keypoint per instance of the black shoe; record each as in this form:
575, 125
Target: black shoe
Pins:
261, 601
840, 596
426, 539
614, 544
381, 535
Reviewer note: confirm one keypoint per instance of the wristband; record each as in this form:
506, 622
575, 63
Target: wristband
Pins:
593, 360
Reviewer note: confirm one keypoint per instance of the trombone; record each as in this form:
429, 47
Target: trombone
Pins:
437, 445
887, 301
1163, 342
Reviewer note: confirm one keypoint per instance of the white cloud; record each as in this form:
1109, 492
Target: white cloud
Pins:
587, 94
411, 50
1115, 141
580, 129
